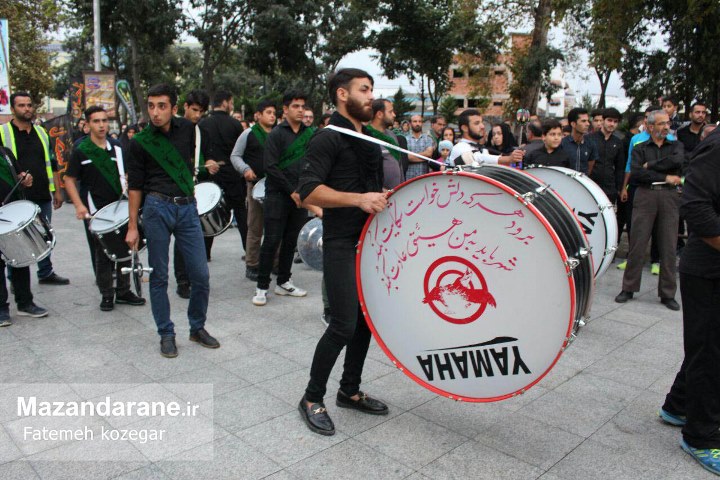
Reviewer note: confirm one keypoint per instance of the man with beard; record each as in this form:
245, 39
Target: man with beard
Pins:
379, 127
247, 158
222, 131
284, 216
689, 135
609, 170
95, 163
582, 152
437, 125
419, 143
469, 149
344, 177
160, 167
657, 166
30, 145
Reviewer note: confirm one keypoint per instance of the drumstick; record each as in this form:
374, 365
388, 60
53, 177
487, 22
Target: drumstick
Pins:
13, 189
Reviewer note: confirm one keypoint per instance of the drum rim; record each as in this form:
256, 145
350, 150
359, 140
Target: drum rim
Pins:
589, 185
19, 228
115, 226
560, 248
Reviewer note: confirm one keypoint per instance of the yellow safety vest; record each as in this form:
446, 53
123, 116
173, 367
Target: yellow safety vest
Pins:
7, 135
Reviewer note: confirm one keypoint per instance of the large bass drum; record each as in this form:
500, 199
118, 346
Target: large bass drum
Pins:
473, 282
25, 236
592, 207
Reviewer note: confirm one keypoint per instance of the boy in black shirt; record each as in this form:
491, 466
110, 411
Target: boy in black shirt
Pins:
95, 163
550, 154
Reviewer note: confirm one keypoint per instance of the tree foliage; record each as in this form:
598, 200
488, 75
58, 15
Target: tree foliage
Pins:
28, 20
447, 108
401, 104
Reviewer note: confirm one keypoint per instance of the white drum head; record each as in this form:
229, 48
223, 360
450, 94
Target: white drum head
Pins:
207, 195
110, 217
592, 208
16, 215
465, 288
258, 191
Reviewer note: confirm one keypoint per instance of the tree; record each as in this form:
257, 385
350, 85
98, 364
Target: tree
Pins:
29, 21
448, 105
219, 26
406, 47
401, 105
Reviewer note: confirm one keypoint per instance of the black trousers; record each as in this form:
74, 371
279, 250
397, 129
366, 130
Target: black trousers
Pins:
282, 224
347, 326
103, 268
21, 284
696, 391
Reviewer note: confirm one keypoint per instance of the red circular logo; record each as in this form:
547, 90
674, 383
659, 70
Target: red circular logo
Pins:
456, 290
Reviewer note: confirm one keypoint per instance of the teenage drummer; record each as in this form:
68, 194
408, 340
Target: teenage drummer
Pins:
21, 276
94, 161
160, 164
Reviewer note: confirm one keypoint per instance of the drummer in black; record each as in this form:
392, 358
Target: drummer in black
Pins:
160, 166
344, 176
21, 276
94, 161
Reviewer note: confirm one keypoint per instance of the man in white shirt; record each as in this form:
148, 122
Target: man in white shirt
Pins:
470, 151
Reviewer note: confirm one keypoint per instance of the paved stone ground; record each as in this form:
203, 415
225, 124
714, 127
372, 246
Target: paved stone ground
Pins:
592, 417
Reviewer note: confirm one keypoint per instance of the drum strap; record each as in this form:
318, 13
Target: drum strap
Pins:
353, 133
121, 168
198, 139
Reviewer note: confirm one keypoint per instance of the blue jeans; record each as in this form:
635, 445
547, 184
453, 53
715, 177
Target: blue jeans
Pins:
161, 219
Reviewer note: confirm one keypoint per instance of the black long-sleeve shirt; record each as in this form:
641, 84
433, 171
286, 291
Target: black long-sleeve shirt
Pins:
278, 140
220, 131
701, 209
540, 156
146, 174
609, 169
345, 164
669, 159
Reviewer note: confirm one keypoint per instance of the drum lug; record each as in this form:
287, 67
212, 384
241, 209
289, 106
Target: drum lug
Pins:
611, 250
526, 198
117, 232
572, 264
584, 252
569, 340
542, 189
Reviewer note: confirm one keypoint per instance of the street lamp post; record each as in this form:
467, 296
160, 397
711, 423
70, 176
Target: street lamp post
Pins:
96, 28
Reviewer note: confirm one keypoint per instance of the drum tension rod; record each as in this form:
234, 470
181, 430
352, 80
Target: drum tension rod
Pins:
572, 264
584, 252
526, 198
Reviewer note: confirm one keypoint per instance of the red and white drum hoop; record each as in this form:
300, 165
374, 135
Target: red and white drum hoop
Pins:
466, 286
592, 207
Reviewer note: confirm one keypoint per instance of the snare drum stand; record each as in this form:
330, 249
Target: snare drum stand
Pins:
137, 270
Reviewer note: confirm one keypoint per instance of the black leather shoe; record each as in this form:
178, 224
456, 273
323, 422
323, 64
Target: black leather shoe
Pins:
183, 291
251, 273
316, 418
204, 338
130, 298
107, 304
167, 347
670, 303
54, 279
623, 297
365, 404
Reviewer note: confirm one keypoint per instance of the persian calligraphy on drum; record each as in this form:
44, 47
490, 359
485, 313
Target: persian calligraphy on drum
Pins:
466, 286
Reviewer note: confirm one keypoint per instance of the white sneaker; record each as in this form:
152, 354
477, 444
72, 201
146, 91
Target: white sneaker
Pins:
288, 288
260, 297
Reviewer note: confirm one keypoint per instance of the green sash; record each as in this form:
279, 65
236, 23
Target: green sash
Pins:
385, 138
5, 173
101, 159
260, 133
167, 156
296, 150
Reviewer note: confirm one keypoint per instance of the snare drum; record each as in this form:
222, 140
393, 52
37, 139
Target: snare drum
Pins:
592, 207
472, 283
109, 225
310, 244
25, 235
258, 191
215, 216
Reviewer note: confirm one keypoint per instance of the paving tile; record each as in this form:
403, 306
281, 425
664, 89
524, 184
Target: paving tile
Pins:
218, 378
17, 470
261, 366
529, 440
349, 460
398, 389
151, 472
601, 389
228, 458
411, 440
465, 418
286, 440
8, 450
245, 407
477, 461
